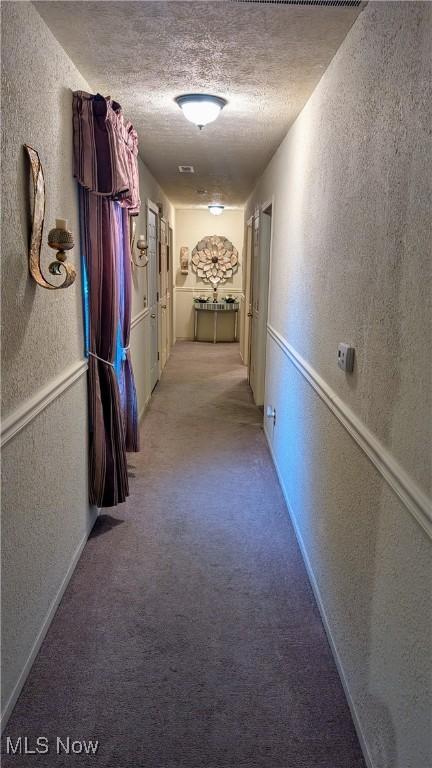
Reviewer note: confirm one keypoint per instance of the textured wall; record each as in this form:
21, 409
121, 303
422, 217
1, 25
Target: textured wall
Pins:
192, 224
45, 512
41, 330
45, 519
352, 262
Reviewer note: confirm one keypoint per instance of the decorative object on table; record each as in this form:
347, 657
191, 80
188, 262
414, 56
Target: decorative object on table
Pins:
142, 246
59, 238
214, 259
184, 260
230, 299
201, 299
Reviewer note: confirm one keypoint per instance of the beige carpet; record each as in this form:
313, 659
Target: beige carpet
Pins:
189, 636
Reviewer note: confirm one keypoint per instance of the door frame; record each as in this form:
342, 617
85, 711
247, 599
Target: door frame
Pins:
151, 206
250, 298
171, 286
260, 304
247, 294
268, 206
265, 206
163, 292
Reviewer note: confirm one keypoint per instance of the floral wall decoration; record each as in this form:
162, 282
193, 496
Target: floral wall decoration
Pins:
214, 259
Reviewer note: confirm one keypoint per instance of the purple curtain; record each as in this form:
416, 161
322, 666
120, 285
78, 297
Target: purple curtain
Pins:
105, 165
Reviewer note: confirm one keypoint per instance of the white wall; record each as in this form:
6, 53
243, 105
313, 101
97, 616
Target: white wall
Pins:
352, 262
192, 224
45, 513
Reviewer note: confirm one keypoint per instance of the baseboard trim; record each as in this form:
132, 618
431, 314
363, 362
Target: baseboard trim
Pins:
143, 409
325, 621
139, 317
413, 498
46, 624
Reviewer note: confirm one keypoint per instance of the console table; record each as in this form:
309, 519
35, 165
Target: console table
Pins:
216, 308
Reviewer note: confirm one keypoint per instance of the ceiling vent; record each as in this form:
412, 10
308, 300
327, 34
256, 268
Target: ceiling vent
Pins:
334, 3
186, 169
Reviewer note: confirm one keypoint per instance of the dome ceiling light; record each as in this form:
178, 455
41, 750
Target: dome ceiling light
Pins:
216, 209
200, 108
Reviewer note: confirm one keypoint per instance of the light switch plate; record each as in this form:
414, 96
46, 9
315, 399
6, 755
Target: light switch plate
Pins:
346, 357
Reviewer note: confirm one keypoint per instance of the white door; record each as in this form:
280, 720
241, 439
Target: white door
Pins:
170, 295
153, 279
254, 302
245, 308
259, 302
163, 249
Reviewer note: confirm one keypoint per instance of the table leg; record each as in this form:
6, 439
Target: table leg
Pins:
235, 325
195, 325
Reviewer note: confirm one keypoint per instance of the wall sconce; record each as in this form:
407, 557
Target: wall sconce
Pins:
184, 260
142, 246
59, 237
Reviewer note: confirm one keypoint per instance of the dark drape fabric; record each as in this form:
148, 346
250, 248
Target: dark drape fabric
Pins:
106, 167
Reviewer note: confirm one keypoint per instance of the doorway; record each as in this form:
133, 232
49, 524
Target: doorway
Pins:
170, 295
164, 293
259, 289
247, 291
153, 289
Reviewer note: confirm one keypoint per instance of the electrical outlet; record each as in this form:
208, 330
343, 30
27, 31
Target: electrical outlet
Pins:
271, 413
346, 357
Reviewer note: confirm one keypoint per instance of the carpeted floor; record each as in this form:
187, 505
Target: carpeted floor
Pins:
189, 636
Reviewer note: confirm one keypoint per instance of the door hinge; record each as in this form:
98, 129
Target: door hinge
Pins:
157, 296
158, 355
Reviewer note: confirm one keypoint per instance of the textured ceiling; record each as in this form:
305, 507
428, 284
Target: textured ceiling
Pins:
264, 59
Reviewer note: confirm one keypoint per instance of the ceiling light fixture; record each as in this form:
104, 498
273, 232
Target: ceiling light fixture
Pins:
216, 209
200, 108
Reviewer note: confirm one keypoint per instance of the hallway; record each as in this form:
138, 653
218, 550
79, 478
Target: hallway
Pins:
200, 646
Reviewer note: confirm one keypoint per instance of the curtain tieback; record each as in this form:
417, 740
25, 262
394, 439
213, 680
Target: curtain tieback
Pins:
125, 350
92, 354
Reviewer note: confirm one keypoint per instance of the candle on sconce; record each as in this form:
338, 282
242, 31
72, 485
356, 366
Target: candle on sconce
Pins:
61, 239
142, 248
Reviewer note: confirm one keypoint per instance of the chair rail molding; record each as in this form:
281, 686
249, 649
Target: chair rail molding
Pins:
413, 498
30, 408
139, 317
203, 289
